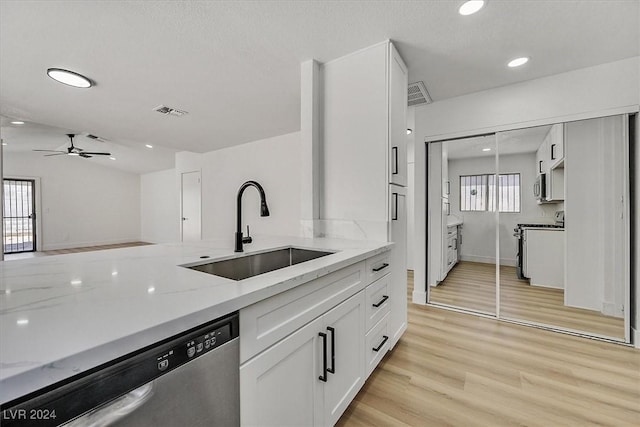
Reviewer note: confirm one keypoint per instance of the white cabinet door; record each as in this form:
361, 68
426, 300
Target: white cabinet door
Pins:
545, 257
344, 327
398, 83
398, 235
280, 386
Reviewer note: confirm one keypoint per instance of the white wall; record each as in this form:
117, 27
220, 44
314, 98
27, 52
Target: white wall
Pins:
273, 162
479, 228
82, 203
589, 92
159, 210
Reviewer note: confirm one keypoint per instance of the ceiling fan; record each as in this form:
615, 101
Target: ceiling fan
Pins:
74, 151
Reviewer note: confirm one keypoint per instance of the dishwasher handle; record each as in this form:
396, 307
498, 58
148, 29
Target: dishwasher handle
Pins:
116, 409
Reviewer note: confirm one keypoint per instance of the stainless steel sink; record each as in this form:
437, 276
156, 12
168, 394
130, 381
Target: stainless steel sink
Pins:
253, 265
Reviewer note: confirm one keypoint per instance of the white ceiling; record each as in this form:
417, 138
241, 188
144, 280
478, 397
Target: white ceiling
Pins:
235, 65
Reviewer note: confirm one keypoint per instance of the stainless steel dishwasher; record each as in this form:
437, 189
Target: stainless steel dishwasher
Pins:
191, 379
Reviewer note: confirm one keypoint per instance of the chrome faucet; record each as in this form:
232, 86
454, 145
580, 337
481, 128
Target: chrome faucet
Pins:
264, 211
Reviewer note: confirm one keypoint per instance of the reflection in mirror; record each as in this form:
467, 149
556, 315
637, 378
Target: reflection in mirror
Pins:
462, 230
564, 274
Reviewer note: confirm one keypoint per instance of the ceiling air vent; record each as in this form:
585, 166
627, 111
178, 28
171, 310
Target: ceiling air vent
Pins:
163, 109
95, 137
418, 94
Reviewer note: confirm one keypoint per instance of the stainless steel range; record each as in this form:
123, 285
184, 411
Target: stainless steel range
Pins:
519, 234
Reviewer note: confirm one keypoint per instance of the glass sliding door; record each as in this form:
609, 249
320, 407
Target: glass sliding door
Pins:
564, 246
462, 223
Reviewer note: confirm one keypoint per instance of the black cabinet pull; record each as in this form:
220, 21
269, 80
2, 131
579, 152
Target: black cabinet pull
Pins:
382, 267
394, 214
553, 154
384, 298
332, 369
540, 166
384, 340
394, 151
323, 377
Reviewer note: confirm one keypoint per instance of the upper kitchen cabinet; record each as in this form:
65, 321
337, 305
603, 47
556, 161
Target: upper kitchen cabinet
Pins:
397, 82
550, 163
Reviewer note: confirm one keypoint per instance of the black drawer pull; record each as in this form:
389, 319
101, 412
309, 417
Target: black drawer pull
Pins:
385, 338
382, 267
384, 298
332, 369
323, 377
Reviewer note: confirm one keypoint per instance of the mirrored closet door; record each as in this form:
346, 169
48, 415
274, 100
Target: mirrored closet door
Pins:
538, 219
462, 224
564, 241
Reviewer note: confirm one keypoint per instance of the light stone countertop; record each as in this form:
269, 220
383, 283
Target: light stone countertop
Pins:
64, 314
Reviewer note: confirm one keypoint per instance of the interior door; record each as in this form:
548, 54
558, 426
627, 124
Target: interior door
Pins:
191, 206
19, 231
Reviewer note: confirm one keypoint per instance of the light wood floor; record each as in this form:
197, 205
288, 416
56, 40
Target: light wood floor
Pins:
73, 250
462, 370
471, 285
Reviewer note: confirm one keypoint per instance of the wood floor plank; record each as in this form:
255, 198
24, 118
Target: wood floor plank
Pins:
457, 369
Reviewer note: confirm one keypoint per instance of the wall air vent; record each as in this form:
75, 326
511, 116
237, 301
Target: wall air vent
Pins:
418, 94
163, 109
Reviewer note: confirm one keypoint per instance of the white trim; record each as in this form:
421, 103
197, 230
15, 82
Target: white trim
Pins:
636, 337
629, 109
626, 213
419, 297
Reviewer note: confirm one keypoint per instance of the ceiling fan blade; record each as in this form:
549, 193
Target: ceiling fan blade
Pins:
53, 151
95, 153
85, 155
56, 154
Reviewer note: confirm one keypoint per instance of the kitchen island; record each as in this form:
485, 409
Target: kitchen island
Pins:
63, 315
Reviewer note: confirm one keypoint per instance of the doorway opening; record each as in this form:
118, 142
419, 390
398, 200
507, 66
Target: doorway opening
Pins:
19, 228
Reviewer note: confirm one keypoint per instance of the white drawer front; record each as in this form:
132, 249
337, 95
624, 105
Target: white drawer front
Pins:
376, 344
378, 266
378, 299
266, 322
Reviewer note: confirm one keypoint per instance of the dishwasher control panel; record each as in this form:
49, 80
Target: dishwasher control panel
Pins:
194, 347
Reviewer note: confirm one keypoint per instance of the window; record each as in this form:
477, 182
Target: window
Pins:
478, 193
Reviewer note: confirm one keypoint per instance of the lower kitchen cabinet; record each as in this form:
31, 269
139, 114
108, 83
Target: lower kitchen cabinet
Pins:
311, 376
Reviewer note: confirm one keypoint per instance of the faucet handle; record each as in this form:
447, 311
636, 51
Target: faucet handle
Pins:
247, 239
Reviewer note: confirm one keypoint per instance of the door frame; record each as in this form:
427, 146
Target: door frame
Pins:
37, 201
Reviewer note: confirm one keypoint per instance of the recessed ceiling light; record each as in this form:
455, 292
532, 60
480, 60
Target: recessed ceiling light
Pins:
409, 131
4, 143
22, 322
112, 158
17, 122
518, 62
471, 7
148, 145
69, 78
486, 149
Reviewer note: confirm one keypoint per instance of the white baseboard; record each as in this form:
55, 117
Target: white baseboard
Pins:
635, 337
610, 309
419, 297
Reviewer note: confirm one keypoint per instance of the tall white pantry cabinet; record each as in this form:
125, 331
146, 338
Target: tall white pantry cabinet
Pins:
306, 353
365, 155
